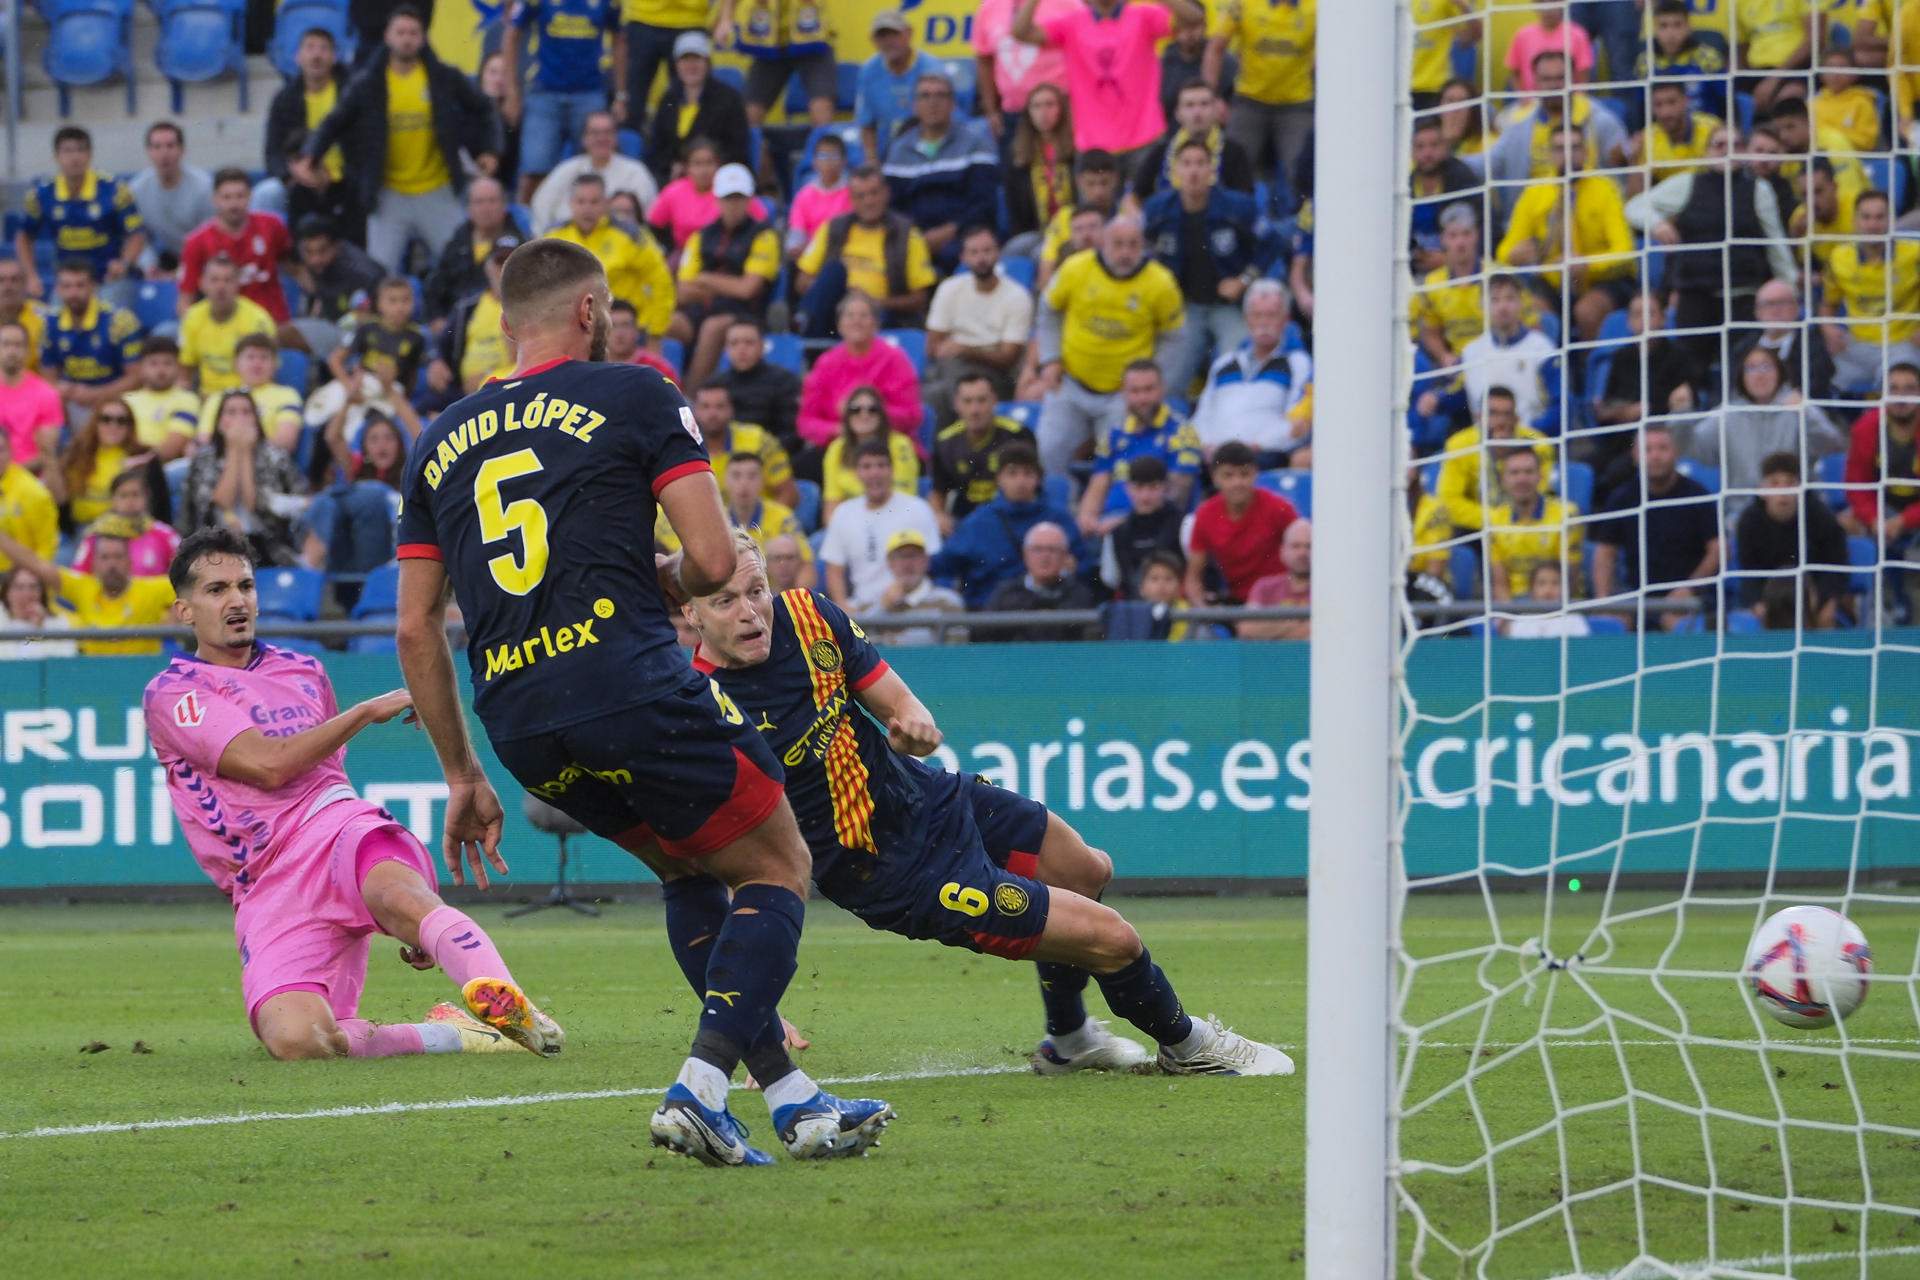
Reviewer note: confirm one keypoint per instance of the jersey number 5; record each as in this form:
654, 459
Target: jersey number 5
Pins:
515, 576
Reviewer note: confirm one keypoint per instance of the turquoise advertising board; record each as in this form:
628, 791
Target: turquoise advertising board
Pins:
1189, 760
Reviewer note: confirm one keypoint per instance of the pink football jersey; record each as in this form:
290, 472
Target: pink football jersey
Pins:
194, 709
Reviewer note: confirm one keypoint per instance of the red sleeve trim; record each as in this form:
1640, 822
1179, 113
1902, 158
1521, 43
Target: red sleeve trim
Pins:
871, 676
671, 474
417, 551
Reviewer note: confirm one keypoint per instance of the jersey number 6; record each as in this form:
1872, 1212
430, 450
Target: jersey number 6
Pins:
967, 900
515, 576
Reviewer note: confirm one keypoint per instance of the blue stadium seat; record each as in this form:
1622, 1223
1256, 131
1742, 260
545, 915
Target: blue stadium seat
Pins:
966, 82
200, 40
291, 592
380, 594
297, 17
1741, 622
88, 43
784, 350
1024, 412
1022, 271
807, 509
732, 76
1295, 486
156, 303
522, 216
846, 77
1601, 624
294, 370
1128, 620
1862, 553
1576, 485
675, 353
1709, 477
913, 342
1463, 567
1057, 491
382, 643
1832, 473
632, 144
929, 428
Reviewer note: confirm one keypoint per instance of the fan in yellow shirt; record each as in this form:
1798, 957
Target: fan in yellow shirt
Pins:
1775, 35
1438, 27
1845, 108
1872, 297
636, 269
211, 330
748, 507
110, 596
1276, 40
164, 412
1446, 306
1598, 244
1115, 304
1676, 139
1470, 449
27, 511
414, 163
1527, 528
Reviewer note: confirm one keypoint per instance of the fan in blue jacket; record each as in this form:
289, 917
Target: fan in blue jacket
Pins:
984, 550
945, 173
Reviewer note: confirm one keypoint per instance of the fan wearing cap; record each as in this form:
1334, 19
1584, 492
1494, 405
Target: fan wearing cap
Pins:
885, 96
636, 269
912, 591
727, 269
696, 105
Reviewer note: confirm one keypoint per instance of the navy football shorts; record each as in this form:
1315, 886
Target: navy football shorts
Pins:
687, 771
967, 882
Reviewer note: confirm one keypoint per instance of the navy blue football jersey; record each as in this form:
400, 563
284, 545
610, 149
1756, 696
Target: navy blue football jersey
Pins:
852, 794
537, 493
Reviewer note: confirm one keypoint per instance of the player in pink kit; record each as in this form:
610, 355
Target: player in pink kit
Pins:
254, 744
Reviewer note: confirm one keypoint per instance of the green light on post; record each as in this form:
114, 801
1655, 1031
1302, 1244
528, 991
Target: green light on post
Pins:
1573, 885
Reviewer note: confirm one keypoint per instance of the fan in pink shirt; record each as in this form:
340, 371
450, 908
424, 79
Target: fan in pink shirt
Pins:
1550, 33
862, 358
1113, 66
30, 409
825, 197
254, 747
150, 542
1017, 67
688, 203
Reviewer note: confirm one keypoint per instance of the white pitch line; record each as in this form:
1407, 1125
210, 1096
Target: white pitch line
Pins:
451, 1104
1706, 1268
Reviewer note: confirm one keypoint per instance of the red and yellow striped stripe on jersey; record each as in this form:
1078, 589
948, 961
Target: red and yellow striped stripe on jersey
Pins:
847, 778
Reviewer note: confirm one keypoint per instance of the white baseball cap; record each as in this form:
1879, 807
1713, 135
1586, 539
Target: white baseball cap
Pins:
733, 180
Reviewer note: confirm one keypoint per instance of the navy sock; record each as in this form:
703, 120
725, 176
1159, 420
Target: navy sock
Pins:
1061, 986
696, 912
1141, 994
751, 963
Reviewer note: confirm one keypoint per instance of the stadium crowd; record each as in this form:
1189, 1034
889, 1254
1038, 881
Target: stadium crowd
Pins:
1034, 331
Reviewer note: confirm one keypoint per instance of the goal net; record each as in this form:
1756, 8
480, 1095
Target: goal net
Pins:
1657, 294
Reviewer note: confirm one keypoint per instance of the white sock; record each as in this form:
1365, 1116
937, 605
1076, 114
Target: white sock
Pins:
438, 1037
789, 1090
1200, 1038
708, 1083
1071, 1044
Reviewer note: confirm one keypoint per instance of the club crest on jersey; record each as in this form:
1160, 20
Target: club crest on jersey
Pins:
188, 713
824, 654
693, 427
1011, 899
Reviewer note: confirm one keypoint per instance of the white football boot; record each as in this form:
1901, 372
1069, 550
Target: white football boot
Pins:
1227, 1053
1107, 1052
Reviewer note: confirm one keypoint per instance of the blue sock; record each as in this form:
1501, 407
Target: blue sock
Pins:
696, 912
751, 963
1141, 994
1061, 986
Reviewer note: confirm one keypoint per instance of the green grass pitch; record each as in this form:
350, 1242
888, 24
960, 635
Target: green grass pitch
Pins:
1085, 1176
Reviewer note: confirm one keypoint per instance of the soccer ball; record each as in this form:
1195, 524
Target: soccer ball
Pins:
1808, 966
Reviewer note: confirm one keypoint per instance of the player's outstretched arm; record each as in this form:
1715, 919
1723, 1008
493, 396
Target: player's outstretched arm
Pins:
271, 763
692, 504
910, 727
471, 835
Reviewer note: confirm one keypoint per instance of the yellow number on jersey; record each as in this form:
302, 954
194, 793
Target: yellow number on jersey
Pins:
729, 711
967, 901
515, 576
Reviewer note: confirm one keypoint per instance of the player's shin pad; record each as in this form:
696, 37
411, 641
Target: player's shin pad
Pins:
753, 960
